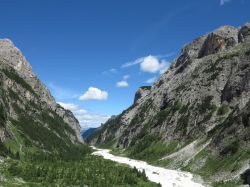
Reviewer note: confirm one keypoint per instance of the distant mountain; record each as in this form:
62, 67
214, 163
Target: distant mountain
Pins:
196, 117
86, 132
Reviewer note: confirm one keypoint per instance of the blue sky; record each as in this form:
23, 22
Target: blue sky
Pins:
77, 46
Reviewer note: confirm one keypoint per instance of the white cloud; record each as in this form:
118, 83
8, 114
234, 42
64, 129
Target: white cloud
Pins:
151, 80
140, 60
80, 112
85, 118
94, 94
222, 2
110, 72
152, 64
69, 106
91, 120
164, 66
125, 77
61, 93
122, 84
113, 70
137, 61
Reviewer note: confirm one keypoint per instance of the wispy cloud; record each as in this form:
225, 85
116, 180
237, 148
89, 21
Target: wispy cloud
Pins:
151, 80
110, 72
126, 77
91, 120
223, 2
122, 84
85, 118
69, 106
128, 64
141, 59
61, 93
94, 94
150, 63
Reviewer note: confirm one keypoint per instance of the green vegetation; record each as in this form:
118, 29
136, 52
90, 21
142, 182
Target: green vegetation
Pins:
176, 106
11, 74
170, 109
206, 105
247, 52
139, 117
184, 108
150, 149
245, 119
48, 158
182, 123
109, 144
227, 183
208, 115
146, 87
180, 88
89, 170
2, 116
213, 69
13, 95
227, 56
231, 161
223, 110
232, 148
194, 75
111, 126
228, 122
43, 129
3, 150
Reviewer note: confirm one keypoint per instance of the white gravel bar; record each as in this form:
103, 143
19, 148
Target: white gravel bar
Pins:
166, 177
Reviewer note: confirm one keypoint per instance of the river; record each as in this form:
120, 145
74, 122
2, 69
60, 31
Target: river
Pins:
166, 177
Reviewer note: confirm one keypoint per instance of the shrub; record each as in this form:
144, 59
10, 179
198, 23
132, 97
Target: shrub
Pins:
11, 74
205, 105
223, 110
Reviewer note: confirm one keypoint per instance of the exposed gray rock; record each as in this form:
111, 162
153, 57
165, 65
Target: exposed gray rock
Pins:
205, 93
244, 33
142, 92
219, 40
11, 58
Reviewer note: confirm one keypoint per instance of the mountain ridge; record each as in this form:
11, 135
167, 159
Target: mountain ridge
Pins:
192, 107
27, 106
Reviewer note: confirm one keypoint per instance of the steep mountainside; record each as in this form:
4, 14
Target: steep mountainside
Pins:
86, 132
196, 116
29, 116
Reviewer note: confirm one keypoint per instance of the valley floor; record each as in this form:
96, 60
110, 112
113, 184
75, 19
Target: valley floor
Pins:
166, 177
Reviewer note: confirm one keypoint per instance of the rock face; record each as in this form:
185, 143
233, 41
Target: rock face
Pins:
203, 97
142, 92
244, 33
221, 39
27, 104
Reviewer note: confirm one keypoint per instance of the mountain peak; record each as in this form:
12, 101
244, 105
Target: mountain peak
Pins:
204, 98
20, 78
12, 56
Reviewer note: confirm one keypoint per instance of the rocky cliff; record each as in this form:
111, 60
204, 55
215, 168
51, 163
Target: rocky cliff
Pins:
196, 116
29, 114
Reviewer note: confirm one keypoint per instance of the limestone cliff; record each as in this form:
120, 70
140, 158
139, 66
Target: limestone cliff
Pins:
29, 113
196, 116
